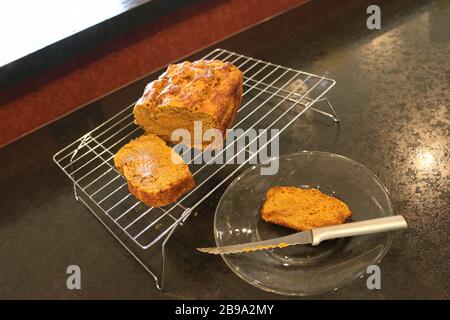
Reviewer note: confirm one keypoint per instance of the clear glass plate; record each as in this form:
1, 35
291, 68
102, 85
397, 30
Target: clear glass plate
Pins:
302, 270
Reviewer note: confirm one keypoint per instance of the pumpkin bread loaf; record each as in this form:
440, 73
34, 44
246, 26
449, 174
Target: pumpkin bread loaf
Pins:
209, 91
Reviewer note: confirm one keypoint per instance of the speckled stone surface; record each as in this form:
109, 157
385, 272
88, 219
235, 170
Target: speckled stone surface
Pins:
392, 95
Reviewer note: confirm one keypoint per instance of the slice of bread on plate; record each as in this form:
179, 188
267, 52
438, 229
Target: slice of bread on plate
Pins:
302, 209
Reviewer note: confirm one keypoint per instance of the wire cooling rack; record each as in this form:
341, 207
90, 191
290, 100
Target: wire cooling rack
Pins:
274, 97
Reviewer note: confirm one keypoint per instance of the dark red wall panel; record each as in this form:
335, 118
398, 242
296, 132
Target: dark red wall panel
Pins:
46, 97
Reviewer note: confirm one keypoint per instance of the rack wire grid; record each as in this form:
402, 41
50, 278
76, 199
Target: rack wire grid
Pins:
274, 97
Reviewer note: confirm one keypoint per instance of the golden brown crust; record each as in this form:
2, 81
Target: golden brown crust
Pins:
205, 90
302, 209
148, 165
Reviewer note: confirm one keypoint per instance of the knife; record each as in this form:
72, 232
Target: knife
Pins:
316, 236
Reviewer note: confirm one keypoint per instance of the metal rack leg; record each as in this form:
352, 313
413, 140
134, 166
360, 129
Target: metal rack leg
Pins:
332, 114
155, 277
81, 145
75, 192
184, 216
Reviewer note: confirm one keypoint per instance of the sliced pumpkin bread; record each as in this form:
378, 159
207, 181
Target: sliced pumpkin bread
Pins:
302, 209
156, 175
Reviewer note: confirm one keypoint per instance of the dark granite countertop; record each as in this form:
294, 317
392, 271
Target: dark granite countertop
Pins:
392, 95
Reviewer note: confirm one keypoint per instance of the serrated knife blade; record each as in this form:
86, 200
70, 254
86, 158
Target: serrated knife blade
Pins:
303, 237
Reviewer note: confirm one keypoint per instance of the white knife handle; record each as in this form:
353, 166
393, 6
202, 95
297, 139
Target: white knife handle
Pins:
358, 228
